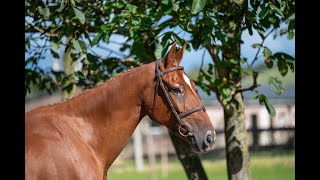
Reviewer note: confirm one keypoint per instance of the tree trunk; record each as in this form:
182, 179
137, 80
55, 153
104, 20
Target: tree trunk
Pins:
68, 68
237, 151
191, 162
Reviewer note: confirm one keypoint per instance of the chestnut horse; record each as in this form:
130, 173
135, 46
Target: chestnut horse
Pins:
81, 137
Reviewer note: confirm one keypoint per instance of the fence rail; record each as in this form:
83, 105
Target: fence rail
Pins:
288, 135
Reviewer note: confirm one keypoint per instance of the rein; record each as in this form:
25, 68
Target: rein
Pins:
159, 82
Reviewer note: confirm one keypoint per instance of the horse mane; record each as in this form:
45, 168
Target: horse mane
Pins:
105, 82
121, 74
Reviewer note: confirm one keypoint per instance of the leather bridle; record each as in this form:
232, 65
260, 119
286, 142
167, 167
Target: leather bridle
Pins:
159, 82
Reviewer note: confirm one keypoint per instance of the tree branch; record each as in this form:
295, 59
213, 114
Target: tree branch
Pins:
41, 30
213, 53
253, 86
110, 50
256, 56
200, 70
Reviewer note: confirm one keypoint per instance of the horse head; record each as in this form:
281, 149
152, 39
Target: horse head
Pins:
177, 106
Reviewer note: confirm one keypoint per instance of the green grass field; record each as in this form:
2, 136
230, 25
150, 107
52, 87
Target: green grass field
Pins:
264, 166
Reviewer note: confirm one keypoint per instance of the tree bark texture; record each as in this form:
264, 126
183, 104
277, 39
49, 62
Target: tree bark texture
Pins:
190, 161
237, 151
68, 67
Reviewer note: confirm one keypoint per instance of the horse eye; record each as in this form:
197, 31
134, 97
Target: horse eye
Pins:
177, 90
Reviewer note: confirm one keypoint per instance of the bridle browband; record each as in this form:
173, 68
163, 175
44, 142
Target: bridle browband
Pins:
159, 82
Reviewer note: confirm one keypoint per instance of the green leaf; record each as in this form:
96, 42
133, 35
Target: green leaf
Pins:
270, 107
225, 92
210, 69
284, 56
186, 28
161, 49
165, 48
283, 61
54, 54
45, 12
104, 27
263, 100
282, 67
204, 87
107, 36
79, 15
263, 10
256, 45
290, 35
83, 47
207, 77
165, 2
132, 33
239, 2
188, 48
291, 66
247, 71
96, 39
268, 63
119, 5
62, 5
267, 52
206, 32
54, 45
178, 39
168, 11
77, 46
281, 2
137, 48
283, 31
158, 51
248, 25
167, 36
233, 61
91, 58
68, 48
132, 8
276, 9
197, 5
276, 85
175, 5
221, 36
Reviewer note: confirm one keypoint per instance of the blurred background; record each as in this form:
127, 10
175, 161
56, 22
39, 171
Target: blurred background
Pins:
75, 45
151, 155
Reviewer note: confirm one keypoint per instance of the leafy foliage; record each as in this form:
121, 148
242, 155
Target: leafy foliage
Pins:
81, 27
276, 85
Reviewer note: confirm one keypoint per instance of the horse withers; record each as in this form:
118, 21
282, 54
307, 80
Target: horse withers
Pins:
81, 137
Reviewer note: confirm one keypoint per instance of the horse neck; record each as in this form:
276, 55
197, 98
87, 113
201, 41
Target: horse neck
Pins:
111, 112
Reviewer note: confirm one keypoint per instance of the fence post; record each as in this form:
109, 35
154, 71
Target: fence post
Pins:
255, 134
138, 152
272, 130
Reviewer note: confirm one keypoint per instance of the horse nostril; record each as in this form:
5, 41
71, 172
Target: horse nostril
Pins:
209, 138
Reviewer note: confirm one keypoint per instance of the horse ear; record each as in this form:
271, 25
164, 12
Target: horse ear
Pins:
169, 57
179, 54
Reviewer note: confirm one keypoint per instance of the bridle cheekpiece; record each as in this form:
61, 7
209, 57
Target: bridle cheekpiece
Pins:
159, 82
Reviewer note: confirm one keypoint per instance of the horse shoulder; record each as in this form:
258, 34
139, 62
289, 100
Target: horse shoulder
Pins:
51, 143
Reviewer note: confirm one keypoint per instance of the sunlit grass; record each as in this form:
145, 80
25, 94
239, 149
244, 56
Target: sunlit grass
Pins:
263, 166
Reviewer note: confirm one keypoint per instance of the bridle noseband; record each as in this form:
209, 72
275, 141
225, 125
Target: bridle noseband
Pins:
159, 82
